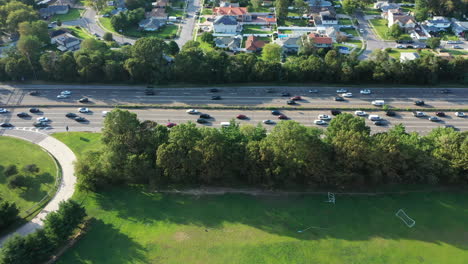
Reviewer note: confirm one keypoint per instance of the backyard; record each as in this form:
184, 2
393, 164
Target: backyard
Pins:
254, 29
73, 14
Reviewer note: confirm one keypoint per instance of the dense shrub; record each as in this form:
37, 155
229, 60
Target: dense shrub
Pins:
8, 214
10, 170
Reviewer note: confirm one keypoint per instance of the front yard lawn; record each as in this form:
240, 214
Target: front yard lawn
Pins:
165, 32
349, 31
207, 11
380, 26
395, 53
80, 32
73, 14
345, 21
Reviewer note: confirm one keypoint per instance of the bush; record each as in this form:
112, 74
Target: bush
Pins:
11, 170
31, 168
8, 213
18, 181
108, 36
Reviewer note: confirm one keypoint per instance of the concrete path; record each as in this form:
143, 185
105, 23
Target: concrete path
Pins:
65, 157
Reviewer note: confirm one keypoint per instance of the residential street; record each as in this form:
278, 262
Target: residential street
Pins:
373, 42
189, 23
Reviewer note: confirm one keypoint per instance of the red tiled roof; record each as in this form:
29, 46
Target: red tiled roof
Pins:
320, 40
253, 44
231, 11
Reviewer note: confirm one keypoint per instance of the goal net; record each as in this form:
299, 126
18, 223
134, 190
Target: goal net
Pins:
331, 198
405, 218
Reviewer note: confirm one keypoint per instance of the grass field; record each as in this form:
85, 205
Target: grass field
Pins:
254, 29
381, 27
80, 33
73, 14
395, 53
135, 225
20, 153
79, 142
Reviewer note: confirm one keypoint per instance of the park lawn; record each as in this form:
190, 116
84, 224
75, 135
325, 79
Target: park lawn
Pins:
79, 142
135, 225
21, 153
345, 21
380, 25
256, 29
73, 14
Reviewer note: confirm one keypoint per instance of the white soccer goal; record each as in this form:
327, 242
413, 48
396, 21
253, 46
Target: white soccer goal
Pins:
331, 198
405, 218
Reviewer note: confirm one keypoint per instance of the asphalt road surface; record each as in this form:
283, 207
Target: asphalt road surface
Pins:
231, 96
95, 118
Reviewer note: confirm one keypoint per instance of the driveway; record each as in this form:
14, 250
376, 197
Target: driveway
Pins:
65, 158
372, 40
186, 33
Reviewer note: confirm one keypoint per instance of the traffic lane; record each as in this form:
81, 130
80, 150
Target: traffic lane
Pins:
95, 119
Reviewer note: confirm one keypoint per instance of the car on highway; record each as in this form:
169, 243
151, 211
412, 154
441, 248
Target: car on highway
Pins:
275, 112
440, 114
419, 102
215, 97
365, 91
313, 91
83, 110
347, 95
42, 119
6, 125
269, 90
378, 102
282, 117
214, 90
202, 121
390, 113
291, 102
360, 113
452, 127
320, 122
285, 94
296, 98
22, 114
374, 118
379, 123
206, 116
434, 119
342, 90
34, 93
399, 46
339, 99
457, 47
192, 111
34, 110
268, 122
170, 124
84, 100
40, 124
66, 93
324, 117
80, 119
460, 114
445, 91
419, 114
62, 96
335, 112
71, 115
149, 92
3, 111
241, 116
104, 113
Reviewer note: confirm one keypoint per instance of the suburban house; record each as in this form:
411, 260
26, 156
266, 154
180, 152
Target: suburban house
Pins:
320, 41
226, 25
231, 43
460, 28
157, 13
408, 56
328, 18
420, 33
253, 44
439, 22
51, 10
404, 21
240, 13
289, 44
316, 13
385, 6
64, 40
228, 4
385, 14
151, 24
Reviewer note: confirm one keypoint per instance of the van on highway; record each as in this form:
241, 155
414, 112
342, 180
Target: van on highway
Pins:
374, 117
225, 124
378, 102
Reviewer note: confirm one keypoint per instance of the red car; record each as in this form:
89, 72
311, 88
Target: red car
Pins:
282, 117
296, 98
169, 125
241, 116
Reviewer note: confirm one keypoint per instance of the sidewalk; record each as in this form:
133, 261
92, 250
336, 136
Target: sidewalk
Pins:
65, 157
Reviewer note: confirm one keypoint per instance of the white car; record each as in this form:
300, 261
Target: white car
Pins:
342, 90
83, 110
104, 113
42, 119
3, 110
324, 117
192, 111
360, 113
365, 91
347, 95
460, 114
62, 96
378, 102
320, 122
419, 114
268, 122
65, 93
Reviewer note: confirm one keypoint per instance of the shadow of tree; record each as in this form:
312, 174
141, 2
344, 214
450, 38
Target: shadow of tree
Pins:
33, 191
2, 175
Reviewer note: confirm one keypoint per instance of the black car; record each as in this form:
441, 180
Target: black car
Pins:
5, 125
335, 112
214, 90
215, 97
34, 110
201, 121
275, 112
440, 114
379, 123
40, 124
390, 113
80, 119
149, 92
22, 114
83, 100
285, 94
419, 102
452, 127
339, 98
206, 116
269, 90
34, 93
291, 102
71, 115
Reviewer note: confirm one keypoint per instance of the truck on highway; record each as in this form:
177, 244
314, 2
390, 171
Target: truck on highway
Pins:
378, 102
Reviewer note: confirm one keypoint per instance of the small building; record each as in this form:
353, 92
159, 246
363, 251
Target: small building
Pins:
408, 56
420, 33
241, 13
328, 18
253, 44
231, 43
157, 13
289, 44
320, 41
460, 28
385, 6
226, 25
404, 21
439, 22
49, 11
151, 24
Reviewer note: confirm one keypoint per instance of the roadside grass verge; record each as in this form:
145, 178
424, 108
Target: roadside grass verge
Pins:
380, 26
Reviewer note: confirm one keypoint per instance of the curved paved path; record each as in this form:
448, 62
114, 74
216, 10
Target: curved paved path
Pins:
65, 157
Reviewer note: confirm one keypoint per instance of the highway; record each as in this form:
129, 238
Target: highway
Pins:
230, 96
95, 118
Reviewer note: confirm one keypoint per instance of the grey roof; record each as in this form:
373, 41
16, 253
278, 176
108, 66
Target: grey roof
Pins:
227, 41
151, 23
58, 32
225, 20
290, 41
53, 9
439, 20
70, 40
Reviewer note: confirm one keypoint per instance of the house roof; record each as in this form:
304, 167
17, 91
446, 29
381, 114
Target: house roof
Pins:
231, 42
157, 12
68, 40
161, 3
225, 20
51, 10
288, 41
438, 19
320, 40
230, 10
58, 32
150, 23
253, 43
404, 19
